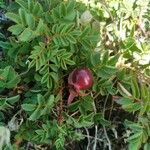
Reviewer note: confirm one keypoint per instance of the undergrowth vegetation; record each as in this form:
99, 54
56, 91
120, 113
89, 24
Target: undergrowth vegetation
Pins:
42, 41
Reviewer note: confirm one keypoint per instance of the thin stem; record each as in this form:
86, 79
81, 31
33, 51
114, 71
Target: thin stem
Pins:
105, 132
96, 127
88, 137
92, 137
95, 138
71, 97
109, 143
105, 102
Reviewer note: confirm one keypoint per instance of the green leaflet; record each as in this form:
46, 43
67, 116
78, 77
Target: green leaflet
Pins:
43, 107
9, 78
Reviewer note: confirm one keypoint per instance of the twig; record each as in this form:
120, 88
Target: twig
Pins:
92, 137
55, 114
74, 113
96, 127
105, 102
24, 73
88, 137
112, 102
109, 143
95, 138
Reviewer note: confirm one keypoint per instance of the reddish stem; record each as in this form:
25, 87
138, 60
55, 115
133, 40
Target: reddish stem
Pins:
71, 97
60, 117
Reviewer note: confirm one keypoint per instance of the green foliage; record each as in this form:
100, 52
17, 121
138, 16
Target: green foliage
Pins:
6, 103
140, 133
8, 78
104, 67
138, 99
42, 108
45, 41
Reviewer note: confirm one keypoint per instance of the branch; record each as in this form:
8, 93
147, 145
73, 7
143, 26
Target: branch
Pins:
88, 137
96, 127
109, 143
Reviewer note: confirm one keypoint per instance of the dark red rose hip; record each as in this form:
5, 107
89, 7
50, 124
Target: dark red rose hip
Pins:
79, 79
